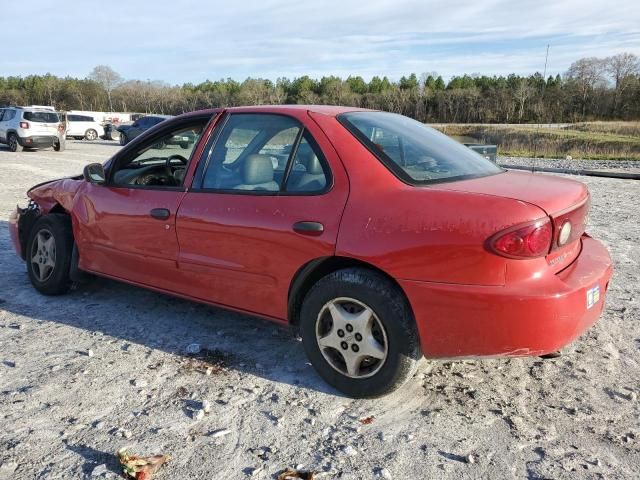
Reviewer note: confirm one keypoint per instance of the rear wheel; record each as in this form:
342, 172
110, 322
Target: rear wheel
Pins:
49, 250
359, 333
91, 135
12, 143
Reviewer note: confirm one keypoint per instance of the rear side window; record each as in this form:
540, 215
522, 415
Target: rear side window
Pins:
414, 152
252, 153
41, 117
264, 153
80, 118
309, 172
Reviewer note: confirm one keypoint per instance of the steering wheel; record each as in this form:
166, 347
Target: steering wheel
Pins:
176, 156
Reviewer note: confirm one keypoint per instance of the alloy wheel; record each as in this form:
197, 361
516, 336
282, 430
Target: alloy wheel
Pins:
351, 338
43, 255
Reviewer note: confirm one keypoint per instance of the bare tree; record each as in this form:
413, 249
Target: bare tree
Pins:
622, 68
587, 74
108, 78
523, 92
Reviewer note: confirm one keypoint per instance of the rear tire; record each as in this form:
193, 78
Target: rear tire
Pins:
48, 254
91, 135
351, 313
13, 144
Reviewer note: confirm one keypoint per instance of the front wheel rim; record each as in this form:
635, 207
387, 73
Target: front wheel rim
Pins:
351, 338
91, 135
43, 255
13, 143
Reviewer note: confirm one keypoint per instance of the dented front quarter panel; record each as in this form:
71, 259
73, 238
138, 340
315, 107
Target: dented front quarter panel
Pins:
56, 192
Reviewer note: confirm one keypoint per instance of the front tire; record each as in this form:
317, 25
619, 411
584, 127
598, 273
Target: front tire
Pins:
49, 250
359, 333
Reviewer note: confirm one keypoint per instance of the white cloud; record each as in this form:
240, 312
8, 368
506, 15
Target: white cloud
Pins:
193, 40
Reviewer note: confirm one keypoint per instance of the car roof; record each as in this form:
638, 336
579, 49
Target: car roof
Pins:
329, 110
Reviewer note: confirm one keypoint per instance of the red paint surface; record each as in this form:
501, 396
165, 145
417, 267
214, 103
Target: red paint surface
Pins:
240, 251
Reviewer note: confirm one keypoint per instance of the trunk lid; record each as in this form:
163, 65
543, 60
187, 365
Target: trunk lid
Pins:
563, 200
550, 193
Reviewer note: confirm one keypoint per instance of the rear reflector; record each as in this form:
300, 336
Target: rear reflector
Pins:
523, 241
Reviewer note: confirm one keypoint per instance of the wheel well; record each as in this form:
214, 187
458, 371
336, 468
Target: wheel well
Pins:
57, 208
310, 273
28, 220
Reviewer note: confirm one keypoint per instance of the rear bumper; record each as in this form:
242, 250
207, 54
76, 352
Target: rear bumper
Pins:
530, 318
38, 141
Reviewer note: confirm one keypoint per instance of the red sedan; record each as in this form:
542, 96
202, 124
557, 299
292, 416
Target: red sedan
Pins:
381, 239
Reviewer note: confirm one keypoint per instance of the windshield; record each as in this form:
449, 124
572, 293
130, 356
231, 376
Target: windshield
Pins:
415, 153
43, 117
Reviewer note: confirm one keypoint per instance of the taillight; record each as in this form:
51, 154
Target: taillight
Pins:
24, 124
523, 241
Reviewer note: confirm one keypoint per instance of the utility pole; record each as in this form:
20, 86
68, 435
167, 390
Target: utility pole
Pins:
544, 86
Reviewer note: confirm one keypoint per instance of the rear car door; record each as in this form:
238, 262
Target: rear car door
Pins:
126, 228
5, 115
266, 199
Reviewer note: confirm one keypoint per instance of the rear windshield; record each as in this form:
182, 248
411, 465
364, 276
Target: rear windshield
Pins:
415, 153
43, 117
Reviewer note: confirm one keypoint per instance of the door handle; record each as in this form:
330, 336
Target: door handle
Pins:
312, 229
160, 213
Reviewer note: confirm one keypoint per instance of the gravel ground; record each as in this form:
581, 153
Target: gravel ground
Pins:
107, 366
574, 164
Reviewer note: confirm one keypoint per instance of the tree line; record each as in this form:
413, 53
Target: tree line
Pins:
591, 89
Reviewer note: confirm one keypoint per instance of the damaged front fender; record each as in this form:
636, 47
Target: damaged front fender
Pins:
52, 196
56, 192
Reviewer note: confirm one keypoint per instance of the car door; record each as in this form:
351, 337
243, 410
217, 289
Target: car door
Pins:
137, 128
126, 227
72, 125
4, 112
258, 210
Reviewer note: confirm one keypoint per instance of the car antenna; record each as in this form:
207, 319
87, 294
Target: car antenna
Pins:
544, 86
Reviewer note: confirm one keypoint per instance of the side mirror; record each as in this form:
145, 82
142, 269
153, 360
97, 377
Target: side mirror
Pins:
94, 173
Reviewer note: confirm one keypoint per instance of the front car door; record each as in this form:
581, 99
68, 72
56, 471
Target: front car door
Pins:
126, 228
266, 199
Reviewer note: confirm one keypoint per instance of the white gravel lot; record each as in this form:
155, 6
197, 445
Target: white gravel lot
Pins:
64, 411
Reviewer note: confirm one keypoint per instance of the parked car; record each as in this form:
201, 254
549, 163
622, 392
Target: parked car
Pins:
131, 131
83, 126
31, 127
381, 239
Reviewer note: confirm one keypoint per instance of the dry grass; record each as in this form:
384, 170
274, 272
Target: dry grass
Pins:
593, 140
629, 129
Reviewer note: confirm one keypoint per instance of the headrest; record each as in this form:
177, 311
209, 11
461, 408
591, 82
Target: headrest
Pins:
313, 165
257, 169
309, 160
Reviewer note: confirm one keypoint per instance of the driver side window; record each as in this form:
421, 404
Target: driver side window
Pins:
160, 162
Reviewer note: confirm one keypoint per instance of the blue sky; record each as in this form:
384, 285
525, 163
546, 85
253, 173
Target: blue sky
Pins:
193, 40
